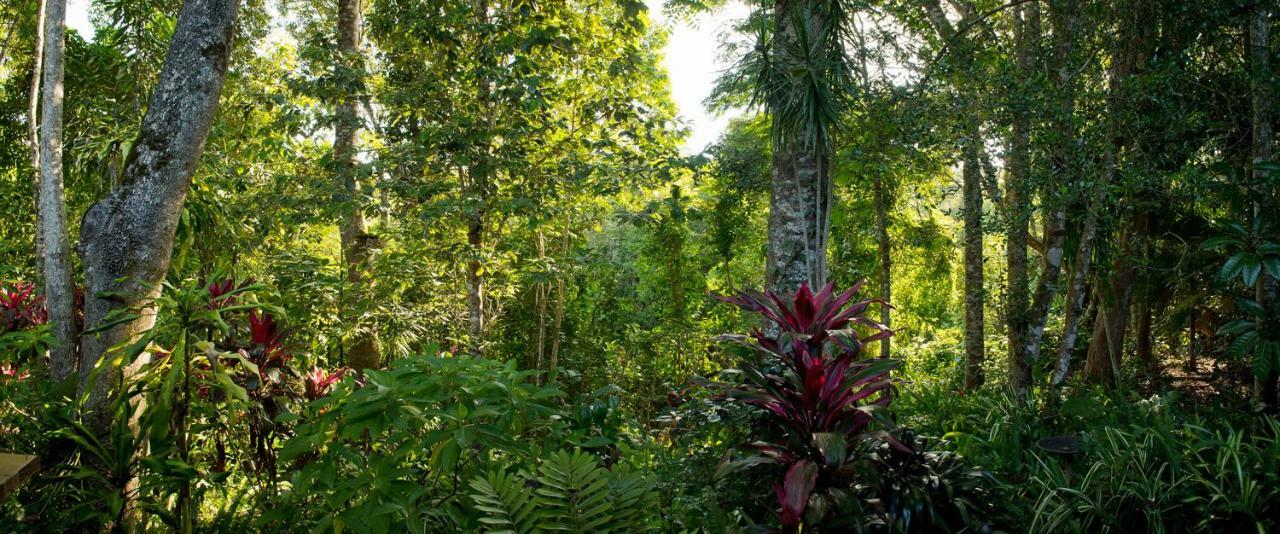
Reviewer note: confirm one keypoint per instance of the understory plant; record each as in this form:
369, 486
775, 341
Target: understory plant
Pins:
398, 451
809, 374
568, 492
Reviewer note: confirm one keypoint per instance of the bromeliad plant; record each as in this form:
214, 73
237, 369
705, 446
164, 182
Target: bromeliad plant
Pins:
812, 378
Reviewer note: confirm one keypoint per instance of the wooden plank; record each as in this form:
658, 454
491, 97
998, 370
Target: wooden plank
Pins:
16, 469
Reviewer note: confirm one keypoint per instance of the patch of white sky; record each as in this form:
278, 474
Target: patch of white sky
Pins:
693, 59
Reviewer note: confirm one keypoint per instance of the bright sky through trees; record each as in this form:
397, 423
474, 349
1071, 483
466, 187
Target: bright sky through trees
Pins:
694, 61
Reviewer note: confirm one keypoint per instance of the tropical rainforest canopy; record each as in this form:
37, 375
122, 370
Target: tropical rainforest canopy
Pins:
449, 265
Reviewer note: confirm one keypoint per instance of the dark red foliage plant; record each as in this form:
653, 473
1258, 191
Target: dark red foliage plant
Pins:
20, 308
811, 376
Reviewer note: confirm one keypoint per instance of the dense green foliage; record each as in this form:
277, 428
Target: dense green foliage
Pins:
1066, 209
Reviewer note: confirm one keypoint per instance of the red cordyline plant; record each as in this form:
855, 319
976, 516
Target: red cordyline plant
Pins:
20, 308
225, 292
268, 341
318, 381
815, 382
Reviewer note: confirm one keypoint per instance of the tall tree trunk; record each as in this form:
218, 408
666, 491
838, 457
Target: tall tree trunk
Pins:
1017, 202
59, 281
126, 238
800, 200
882, 233
477, 192
974, 294
1263, 101
353, 230
1112, 320
558, 321
33, 130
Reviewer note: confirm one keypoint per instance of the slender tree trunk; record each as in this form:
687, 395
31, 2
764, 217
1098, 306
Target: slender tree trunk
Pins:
1144, 334
356, 242
974, 293
886, 272
478, 193
1076, 292
1018, 202
1064, 16
1263, 89
33, 130
558, 321
126, 238
59, 281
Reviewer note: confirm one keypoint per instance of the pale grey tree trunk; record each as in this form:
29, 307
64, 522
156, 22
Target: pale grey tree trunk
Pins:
974, 279
353, 230
59, 281
974, 293
477, 190
126, 238
1017, 201
33, 131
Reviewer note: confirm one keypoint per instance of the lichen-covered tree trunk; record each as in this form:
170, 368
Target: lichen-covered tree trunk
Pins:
353, 230
974, 294
800, 199
798, 218
59, 281
126, 238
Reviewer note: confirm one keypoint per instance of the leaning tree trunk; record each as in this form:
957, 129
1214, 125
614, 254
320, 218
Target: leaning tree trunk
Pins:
1080, 273
126, 238
346, 132
59, 282
974, 294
